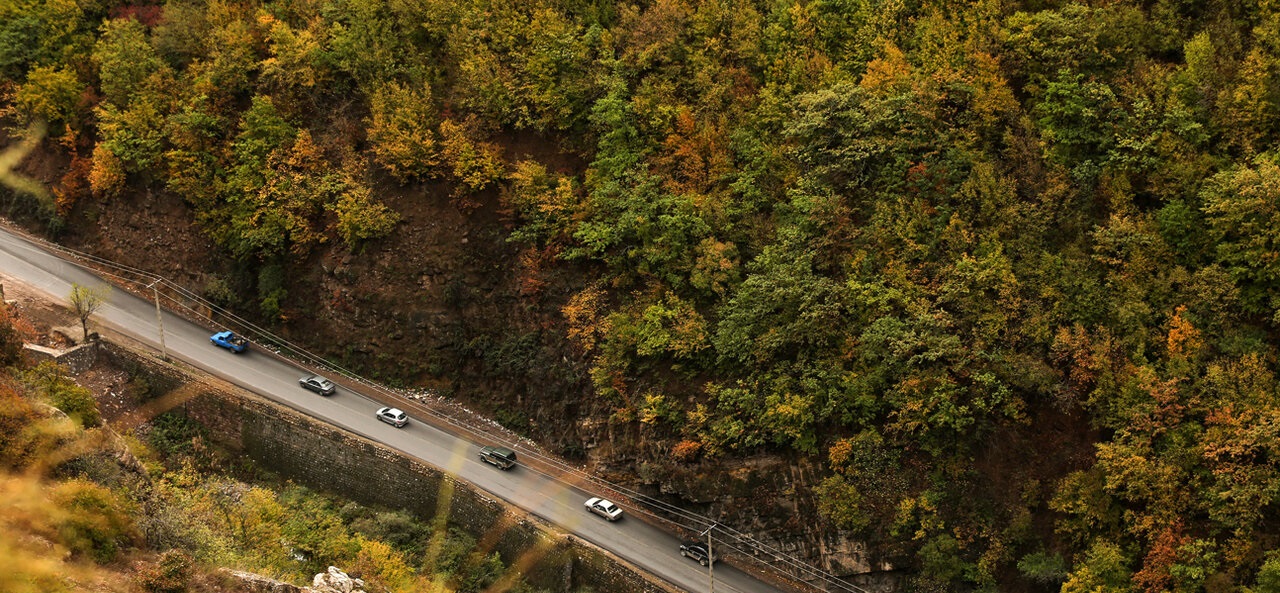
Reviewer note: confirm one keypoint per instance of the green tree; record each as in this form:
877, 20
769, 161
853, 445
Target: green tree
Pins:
1103, 570
134, 135
125, 59
1242, 209
41, 33
1079, 118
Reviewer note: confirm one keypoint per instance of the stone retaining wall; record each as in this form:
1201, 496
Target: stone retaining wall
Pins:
77, 359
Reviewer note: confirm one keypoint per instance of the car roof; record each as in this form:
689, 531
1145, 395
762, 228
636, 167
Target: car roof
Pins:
501, 451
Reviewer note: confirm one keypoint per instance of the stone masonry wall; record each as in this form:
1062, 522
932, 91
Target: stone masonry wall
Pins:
329, 459
77, 358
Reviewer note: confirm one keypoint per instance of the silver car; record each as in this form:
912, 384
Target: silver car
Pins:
604, 508
393, 416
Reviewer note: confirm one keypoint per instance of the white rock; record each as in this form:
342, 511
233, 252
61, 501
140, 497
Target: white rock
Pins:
336, 581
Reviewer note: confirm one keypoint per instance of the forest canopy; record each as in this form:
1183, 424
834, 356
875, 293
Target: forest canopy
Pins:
883, 234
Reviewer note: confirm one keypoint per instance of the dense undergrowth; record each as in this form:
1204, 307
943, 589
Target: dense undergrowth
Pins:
887, 234
83, 508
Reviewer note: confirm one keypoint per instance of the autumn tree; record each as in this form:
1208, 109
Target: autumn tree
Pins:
86, 301
50, 94
401, 131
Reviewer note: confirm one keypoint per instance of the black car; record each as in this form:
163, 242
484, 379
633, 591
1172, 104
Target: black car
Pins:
317, 384
696, 551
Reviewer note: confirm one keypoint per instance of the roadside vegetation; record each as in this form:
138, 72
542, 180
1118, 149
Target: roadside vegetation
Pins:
84, 508
1007, 269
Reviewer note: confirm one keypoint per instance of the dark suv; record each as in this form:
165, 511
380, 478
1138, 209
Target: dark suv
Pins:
696, 551
500, 456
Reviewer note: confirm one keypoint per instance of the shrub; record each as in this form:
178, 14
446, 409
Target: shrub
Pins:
16, 415
172, 433
76, 401
169, 575
95, 521
478, 576
686, 451
51, 382
1043, 567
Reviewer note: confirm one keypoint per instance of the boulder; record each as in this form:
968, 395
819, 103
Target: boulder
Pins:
336, 581
256, 583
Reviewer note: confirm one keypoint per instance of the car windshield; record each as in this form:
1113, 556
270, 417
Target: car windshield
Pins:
607, 506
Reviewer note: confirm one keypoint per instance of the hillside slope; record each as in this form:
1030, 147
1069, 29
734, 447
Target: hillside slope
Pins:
988, 287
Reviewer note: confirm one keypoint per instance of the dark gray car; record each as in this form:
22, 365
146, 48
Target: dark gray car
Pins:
317, 384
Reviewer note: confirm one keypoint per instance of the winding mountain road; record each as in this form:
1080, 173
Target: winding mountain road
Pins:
559, 503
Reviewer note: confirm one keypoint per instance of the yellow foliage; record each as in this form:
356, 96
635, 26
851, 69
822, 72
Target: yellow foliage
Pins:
888, 73
839, 453
400, 134
476, 164
582, 317
379, 563
360, 217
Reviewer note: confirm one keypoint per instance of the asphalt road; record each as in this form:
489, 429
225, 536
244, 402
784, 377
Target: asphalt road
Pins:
635, 541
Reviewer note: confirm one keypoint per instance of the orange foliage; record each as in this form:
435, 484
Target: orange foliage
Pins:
839, 453
106, 174
696, 155
73, 186
533, 264
1085, 357
1184, 339
686, 451
582, 314
887, 73
1154, 576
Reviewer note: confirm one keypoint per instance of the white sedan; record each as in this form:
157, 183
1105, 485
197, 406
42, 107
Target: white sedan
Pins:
604, 508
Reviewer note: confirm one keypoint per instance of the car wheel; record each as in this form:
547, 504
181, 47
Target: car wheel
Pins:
684, 553
703, 562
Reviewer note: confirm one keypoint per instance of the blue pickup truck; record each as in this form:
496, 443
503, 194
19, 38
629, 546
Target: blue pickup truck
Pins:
230, 341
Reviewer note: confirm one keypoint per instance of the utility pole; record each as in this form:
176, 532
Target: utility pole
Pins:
164, 352
711, 561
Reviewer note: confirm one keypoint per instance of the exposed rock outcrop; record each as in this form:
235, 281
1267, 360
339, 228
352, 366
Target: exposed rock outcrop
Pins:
331, 581
256, 583
335, 581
